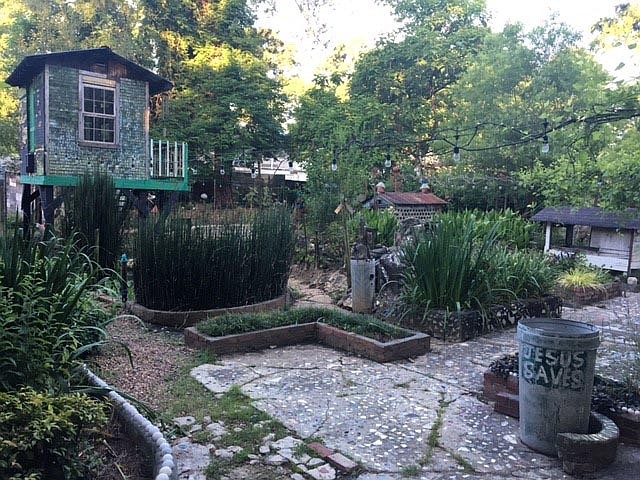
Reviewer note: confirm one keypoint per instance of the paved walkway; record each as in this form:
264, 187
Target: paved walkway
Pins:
393, 417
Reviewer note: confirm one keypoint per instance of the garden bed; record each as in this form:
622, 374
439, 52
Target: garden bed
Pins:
468, 324
610, 398
362, 335
579, 296
187, 318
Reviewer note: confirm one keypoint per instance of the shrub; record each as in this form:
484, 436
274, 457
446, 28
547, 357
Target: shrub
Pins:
44, 436
458, 264
243, 259
584, 276
48, 313
385, 223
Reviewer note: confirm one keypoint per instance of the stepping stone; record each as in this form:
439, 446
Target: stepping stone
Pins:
325, 472
184, 421
286, 442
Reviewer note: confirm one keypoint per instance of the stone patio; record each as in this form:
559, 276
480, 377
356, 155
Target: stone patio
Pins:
422, 415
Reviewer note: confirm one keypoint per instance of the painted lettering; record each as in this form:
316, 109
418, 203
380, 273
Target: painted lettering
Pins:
578, 359
552, 357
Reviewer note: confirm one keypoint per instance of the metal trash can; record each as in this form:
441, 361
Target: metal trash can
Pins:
557, 363
363, 284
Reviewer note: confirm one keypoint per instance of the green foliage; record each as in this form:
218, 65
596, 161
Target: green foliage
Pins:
584, 276
44, 436
461, 262
365, 325
94, 212
48, 313
385, 223
243, 259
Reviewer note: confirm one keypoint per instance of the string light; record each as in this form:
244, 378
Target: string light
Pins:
221, 169
545, 139
290, 166
334, 164
387, 161
456, 149
254, 174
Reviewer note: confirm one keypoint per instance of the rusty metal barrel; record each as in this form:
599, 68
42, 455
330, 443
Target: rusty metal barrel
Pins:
557, 363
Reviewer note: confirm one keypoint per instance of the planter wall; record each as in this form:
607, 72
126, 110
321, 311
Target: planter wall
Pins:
468, 324
412, 346
504, 392
589, 295
188, 318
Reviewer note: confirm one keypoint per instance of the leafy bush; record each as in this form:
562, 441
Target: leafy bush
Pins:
48, 313
385, 223
94, 213
243, 259
44, 436
366, 325
584, 276
458, 263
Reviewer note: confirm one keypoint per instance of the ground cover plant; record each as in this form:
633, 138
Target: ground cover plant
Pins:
466, 261
582, 276
242, 259
365, 325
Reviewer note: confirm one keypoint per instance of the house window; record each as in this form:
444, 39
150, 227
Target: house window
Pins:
98, 114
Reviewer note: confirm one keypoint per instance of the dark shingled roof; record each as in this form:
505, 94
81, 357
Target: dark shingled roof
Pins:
32, 65
408, 198
593, 217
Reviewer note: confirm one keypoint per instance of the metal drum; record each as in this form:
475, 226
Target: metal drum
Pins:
557, 362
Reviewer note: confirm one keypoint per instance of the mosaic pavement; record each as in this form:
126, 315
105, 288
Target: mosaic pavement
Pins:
382, 415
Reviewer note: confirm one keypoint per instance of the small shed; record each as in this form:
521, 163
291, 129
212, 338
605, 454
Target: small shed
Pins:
422, 206
608, 239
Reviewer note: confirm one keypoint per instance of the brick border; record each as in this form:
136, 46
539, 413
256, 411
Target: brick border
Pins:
413, 346
589, 452
504, 392
188, 318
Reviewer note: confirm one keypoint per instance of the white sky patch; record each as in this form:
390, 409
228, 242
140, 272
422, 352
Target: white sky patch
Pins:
363, 21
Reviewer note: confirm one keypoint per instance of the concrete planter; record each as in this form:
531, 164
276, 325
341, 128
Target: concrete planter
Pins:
412, 346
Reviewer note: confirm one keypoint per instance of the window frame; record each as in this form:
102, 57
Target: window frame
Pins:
97, 81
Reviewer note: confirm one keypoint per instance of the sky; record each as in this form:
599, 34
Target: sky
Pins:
363, 21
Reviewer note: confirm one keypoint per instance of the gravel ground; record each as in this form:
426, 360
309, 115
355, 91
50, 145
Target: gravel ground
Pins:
156, 355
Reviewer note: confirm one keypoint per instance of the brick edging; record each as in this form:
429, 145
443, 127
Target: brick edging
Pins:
188, 318
412, 346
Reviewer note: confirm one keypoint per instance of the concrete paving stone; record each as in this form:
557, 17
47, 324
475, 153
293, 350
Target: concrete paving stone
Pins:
323, 472
184, 421
381, 415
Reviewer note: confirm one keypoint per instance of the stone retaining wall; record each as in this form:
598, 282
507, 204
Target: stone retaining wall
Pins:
412, 346
468, 324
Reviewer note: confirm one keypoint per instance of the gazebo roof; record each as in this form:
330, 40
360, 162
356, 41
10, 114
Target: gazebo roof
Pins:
591, 216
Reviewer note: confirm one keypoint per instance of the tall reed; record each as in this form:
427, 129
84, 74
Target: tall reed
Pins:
94, 211
242, 259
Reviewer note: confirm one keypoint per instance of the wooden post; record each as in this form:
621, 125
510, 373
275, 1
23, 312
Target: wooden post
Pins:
631, 240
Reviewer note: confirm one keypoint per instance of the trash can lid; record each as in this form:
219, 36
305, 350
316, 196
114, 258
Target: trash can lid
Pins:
558, 327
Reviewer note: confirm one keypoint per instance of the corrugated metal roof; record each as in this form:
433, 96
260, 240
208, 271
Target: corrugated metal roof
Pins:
593, 217
32, 65
408, 198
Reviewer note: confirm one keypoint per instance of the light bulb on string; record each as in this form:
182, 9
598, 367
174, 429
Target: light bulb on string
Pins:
456, 154
387, 161
334, 164
290, 166
222, 170
545, 144
254, 175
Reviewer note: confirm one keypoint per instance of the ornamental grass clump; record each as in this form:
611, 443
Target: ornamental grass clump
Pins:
583, 276
458, 264
243, 259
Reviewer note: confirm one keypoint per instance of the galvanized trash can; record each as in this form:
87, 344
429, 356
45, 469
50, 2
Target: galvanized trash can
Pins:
557, 362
